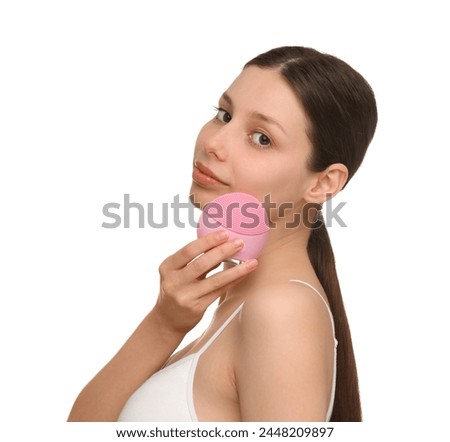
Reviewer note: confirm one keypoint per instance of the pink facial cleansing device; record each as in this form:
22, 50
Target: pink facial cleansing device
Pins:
243, 216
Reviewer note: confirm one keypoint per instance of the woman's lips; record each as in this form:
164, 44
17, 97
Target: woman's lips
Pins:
204, 176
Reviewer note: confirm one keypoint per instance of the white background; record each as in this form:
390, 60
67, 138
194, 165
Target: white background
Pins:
103, 98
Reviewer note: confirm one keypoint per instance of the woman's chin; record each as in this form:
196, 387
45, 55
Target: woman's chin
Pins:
199, 196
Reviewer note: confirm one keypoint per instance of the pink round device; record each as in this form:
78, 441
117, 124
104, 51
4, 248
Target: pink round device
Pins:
243, 216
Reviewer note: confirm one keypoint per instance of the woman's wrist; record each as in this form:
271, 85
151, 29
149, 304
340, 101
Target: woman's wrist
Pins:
167, 330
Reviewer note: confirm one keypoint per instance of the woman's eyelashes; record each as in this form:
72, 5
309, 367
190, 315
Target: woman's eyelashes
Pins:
222, 115
257, 138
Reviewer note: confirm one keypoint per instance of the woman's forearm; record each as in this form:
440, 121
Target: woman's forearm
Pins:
142, 355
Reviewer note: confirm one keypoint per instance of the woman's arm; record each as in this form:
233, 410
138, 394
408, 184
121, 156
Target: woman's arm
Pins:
286, 356
184, 296
142, 355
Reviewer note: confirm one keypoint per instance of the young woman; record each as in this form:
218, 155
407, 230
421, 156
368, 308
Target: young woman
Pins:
294, 125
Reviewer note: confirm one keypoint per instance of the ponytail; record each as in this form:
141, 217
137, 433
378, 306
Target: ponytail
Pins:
347, 404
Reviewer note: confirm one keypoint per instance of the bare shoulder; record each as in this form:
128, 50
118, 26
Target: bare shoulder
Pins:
288, 305
285, 355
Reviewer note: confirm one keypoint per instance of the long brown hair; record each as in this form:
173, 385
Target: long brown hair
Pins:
342, 115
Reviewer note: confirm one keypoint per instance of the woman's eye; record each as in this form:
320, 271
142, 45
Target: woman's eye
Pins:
223, 115
260, 139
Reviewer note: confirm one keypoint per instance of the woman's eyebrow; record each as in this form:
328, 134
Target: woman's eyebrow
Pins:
267, 119
254, 114
227, 98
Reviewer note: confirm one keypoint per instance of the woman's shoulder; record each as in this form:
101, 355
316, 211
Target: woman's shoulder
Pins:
277, 299
285, 307
284, 354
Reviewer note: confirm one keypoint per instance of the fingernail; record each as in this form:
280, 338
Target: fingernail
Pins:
238, 243
223, 234
251, 264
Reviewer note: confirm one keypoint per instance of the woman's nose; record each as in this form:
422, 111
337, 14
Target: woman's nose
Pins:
217, 144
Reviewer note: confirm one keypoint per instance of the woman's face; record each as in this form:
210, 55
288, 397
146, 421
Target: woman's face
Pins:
256, 143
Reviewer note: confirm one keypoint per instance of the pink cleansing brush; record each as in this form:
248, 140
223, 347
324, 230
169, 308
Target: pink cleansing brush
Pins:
243, 216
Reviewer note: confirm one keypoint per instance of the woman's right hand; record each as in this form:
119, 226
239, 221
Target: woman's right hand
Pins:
185, 291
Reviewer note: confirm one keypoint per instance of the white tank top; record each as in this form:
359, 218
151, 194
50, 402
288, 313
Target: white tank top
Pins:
168, 395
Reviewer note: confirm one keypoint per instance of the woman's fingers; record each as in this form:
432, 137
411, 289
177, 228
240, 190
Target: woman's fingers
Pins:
203, 276
212, 258
185, 291
211, 288
195, 248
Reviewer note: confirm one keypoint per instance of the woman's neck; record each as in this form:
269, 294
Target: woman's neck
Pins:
284, 256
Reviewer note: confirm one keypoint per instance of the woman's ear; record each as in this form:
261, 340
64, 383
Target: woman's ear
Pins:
327, 184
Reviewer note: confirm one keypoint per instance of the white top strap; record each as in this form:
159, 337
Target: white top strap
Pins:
219, 331
322, 298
